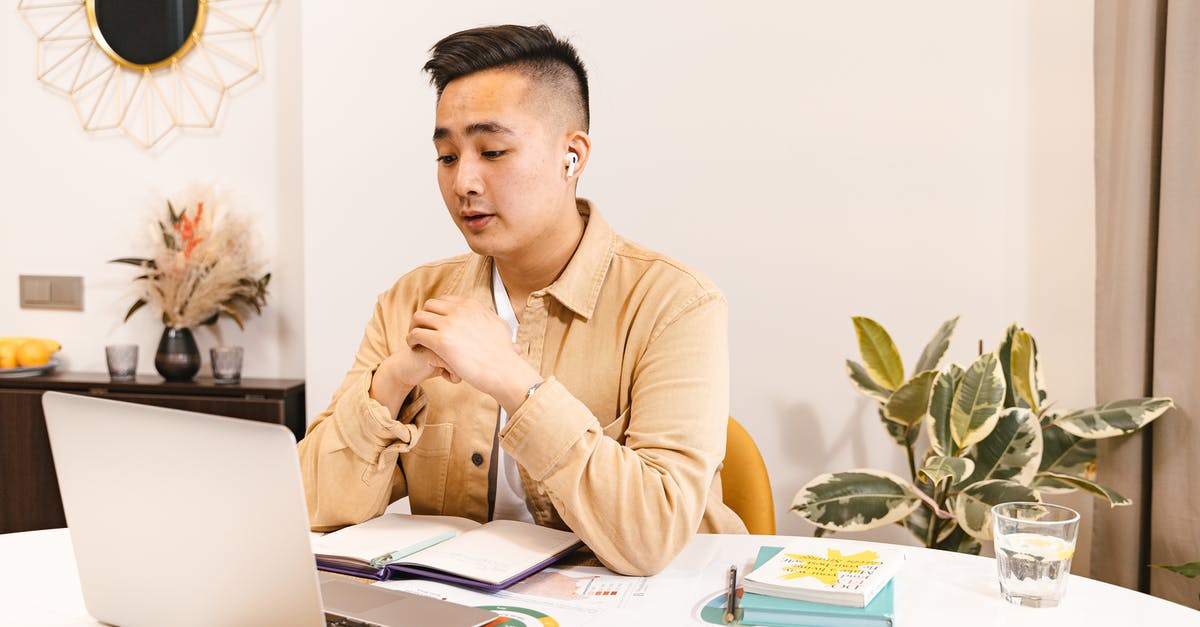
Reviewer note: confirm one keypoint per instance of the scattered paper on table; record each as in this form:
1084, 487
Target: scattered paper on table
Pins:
573, 596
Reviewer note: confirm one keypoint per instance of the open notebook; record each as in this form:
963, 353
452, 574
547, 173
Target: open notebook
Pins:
491, 556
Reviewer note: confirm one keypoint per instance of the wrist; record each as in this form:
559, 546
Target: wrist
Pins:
390, 375
517, 388
388, 389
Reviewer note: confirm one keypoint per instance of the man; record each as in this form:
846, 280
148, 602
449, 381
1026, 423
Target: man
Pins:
558, 374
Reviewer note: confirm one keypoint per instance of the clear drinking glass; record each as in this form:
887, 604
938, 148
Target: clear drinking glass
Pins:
1034, 546
227, 364
122, 361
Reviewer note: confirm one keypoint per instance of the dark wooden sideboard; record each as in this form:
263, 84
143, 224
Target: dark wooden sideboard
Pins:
29, 497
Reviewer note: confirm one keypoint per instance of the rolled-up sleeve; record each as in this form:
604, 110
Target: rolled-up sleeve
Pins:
348, 455
638, 503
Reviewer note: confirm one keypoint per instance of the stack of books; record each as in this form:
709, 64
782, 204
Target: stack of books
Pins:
813, 582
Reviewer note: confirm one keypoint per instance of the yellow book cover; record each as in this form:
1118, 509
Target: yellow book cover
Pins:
827, 571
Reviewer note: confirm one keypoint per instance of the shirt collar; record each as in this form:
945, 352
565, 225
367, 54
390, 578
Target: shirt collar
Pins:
578, 287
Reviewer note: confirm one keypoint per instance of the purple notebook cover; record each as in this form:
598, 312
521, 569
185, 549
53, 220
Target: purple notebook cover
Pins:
396, 571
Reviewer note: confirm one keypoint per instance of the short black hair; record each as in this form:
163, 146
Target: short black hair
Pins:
532, 50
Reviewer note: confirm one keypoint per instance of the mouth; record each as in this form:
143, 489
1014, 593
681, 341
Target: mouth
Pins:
478, 221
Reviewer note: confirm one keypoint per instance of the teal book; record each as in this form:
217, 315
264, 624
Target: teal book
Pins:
769, 611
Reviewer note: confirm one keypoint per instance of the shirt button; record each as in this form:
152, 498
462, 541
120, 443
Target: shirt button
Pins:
477, 459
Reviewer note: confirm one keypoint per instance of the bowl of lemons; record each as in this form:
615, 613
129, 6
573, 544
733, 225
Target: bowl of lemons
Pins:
27, 356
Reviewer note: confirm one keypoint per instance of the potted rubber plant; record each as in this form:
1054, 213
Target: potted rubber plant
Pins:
990, 432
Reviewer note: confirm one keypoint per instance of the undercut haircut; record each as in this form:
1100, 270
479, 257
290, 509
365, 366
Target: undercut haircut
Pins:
534, 51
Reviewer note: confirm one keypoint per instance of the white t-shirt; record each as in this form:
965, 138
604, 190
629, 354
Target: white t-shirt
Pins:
510, 494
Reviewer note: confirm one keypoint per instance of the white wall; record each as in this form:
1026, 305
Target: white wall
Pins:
905, 161
71, 201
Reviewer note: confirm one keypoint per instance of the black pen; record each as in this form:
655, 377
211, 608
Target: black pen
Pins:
731, 596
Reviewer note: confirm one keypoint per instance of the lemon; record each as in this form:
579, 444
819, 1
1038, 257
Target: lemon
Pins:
1045, 547
8, 355
32, 353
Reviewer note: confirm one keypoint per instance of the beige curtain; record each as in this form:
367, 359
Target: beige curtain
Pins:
1147, 70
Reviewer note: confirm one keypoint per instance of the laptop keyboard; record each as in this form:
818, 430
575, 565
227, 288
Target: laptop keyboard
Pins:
333, 620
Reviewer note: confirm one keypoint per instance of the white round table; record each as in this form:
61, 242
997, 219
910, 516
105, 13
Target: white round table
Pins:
39, 586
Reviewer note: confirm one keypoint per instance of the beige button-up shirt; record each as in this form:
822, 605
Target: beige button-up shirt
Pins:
621, 444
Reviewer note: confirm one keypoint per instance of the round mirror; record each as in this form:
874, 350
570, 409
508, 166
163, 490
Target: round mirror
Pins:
145, 33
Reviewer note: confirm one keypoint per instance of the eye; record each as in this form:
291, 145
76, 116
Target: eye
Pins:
494, 154
446, 159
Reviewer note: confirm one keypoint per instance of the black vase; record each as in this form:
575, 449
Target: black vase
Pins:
178, 358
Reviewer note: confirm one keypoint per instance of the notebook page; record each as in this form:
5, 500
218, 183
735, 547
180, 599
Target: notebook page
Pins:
496, 551
397, 534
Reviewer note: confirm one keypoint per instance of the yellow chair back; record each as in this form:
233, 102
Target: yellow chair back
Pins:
745, 483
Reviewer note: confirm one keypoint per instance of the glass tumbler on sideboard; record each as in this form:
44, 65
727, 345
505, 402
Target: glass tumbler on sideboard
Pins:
227, 364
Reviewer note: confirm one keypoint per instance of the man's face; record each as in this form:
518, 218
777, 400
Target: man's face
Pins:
500, 163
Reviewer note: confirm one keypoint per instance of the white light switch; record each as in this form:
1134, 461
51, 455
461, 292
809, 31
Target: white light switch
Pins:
52, 292
35, 290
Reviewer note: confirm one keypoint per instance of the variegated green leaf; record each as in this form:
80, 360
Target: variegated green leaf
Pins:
1065, 454
1013, 450
957, 540
977, 401
879, 353
1091, 487
855, 500
1191, 570
865, 384
973, 507
1004, 354
939, 467
1045, 484
917, 523
1039, 381
899, 433
946, 530
909, 404
936, 348
940, 401
1112, 419
1022, 363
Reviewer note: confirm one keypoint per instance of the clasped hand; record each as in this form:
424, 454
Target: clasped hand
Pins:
461, 340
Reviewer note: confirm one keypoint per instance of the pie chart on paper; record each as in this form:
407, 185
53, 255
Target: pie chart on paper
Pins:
511, 616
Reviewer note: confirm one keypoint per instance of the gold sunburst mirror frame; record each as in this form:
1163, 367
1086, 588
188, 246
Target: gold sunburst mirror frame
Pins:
149, 96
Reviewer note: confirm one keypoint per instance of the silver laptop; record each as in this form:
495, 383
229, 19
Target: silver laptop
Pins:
180, 518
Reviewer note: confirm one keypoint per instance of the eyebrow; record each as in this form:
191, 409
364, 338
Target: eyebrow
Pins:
475, 129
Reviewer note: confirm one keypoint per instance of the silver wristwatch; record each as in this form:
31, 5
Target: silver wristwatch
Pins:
533, 388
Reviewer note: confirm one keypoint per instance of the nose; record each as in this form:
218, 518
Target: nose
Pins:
467, 180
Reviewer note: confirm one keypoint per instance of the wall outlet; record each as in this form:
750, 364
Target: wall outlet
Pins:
52, 292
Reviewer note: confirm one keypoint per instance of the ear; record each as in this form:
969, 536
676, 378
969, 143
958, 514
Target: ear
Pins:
580, 143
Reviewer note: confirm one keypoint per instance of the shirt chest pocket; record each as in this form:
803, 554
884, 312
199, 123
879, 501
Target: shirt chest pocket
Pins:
426, 467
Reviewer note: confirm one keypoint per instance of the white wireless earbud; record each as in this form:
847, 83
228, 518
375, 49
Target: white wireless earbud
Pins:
572, 159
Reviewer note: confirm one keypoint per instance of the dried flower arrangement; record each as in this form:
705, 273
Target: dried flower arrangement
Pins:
203, 266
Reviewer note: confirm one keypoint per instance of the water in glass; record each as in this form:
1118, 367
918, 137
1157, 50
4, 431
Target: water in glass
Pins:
1034, 545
